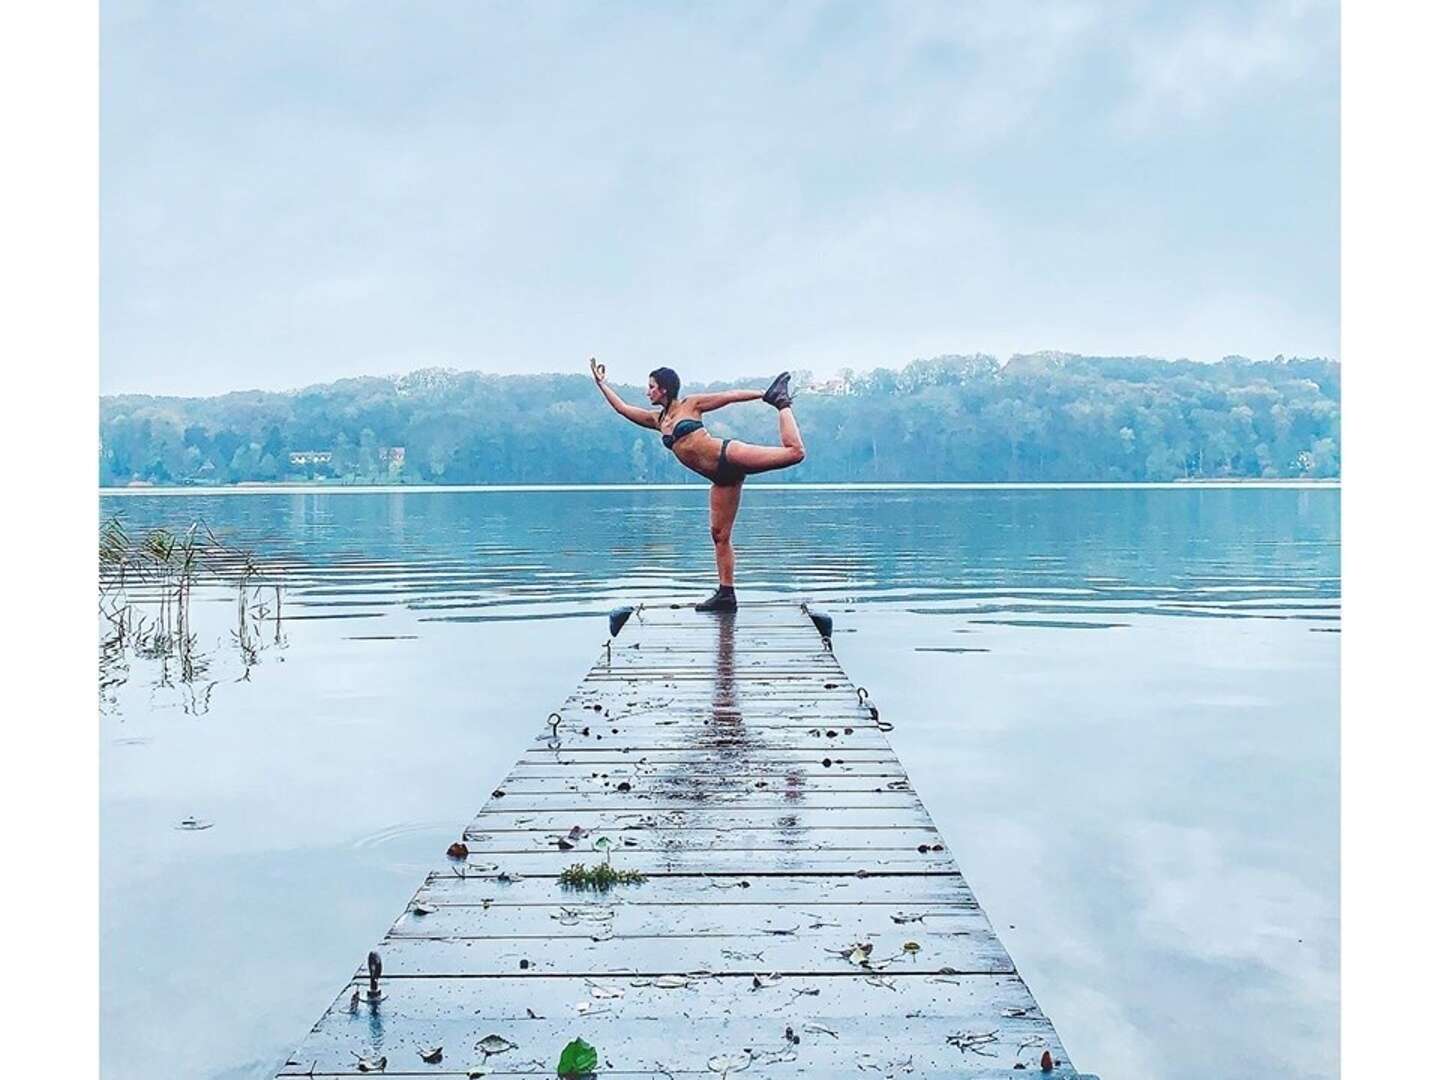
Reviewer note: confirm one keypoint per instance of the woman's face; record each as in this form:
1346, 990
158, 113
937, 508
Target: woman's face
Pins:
654, 393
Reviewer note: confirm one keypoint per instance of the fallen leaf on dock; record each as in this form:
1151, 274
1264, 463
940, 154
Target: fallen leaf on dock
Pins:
494, 1044
672, 982
578, 1058
457, 850
728, 1063
569, 916
432, 1055
367, 1064
194, 824
974, 1041
425, 909
760, 982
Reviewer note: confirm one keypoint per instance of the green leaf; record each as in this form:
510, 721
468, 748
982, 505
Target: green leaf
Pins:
578, 1059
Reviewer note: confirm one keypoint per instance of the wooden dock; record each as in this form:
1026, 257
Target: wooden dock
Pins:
800, 913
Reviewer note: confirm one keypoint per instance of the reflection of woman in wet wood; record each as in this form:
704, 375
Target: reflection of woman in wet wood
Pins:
724, 462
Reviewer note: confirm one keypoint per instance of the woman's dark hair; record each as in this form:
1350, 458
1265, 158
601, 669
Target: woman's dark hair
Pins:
667, 380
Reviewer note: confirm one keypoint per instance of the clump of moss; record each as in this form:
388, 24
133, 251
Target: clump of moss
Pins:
602, 877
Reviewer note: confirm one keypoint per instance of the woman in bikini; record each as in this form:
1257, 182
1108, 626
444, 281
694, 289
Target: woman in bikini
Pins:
724, 462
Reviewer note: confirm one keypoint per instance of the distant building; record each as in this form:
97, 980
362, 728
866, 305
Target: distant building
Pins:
302, 458
836, 387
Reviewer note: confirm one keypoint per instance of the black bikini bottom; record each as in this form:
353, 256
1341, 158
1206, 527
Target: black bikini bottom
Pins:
727, 473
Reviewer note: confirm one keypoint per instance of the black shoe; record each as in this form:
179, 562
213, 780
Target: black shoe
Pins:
722, 599
779, 392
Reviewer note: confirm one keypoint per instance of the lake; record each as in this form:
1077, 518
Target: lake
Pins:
1121, 707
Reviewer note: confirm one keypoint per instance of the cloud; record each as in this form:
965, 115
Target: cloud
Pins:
300, 192
1215, 58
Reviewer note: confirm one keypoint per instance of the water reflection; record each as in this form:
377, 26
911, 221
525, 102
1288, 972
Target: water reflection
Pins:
724, 710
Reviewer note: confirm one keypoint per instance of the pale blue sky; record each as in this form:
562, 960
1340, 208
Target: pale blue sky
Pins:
299, 191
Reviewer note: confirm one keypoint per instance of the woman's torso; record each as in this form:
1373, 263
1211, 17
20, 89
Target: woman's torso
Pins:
694, 447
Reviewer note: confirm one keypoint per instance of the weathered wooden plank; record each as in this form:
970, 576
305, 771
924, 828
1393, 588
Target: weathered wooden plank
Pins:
737, 742
846, 1045
592, 822
977, 998
490, 846
895, 891
740, 757
747, 800
684, 788
588, 778
821, 665
709, 719
748, 860
584, 919
972, 950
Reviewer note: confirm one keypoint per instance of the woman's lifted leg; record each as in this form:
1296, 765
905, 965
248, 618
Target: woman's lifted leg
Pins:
791, 451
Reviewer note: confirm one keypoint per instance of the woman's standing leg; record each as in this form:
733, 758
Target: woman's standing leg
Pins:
724, 505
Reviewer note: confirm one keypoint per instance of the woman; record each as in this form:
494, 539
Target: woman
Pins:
724, 462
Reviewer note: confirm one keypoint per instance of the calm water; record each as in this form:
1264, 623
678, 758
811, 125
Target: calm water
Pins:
1121, 708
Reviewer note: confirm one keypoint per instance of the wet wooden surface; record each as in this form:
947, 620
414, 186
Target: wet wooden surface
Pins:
730, 760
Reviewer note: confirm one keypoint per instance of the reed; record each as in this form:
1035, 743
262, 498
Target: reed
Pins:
146, 584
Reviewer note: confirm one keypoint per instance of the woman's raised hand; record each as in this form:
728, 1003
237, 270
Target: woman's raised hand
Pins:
598, 371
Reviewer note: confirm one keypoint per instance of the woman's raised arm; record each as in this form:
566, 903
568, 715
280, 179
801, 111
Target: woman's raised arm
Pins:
633, 413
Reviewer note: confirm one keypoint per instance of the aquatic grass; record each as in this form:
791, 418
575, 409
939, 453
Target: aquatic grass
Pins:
600, 878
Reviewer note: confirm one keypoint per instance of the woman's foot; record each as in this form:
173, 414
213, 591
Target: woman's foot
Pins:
779, 392
722, 599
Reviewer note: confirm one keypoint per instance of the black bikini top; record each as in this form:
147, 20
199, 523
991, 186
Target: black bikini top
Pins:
682, 428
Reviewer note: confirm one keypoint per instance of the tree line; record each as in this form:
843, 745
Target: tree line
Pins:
1037, 417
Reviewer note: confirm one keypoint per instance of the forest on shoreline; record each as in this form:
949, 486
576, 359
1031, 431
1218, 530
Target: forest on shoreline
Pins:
1044, 417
